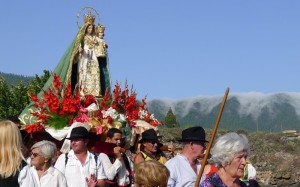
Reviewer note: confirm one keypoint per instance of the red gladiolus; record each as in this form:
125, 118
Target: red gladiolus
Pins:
33, 97
106, 96
56, 82
88, 100
55, 101
34, 128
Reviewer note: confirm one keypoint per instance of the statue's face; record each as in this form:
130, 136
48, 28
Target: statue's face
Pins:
101, 35
90, 29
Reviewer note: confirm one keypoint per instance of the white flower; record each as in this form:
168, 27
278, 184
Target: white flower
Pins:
113, 114
122, 118
109, 112
152, 117
143, 113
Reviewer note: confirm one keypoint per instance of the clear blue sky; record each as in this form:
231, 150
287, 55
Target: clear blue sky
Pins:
166, 48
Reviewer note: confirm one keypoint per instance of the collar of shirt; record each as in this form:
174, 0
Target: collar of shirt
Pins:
73, 156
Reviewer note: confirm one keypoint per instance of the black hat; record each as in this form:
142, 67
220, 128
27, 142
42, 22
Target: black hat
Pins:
79, 132
149, 134
193, 134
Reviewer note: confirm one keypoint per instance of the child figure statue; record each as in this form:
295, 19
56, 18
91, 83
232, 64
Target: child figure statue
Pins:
102, 56
101, 44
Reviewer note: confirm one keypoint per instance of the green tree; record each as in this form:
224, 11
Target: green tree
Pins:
170, 119
14, 98
37, 83
4, 98
18, 99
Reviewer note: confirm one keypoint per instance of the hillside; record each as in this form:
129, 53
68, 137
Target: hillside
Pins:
248, 111
275, 156
13, 79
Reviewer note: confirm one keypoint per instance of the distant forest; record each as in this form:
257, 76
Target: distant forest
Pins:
13, 79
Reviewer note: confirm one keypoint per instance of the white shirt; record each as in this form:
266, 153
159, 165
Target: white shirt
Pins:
75, 172
181, 172
111, 170
50, 178
26, 178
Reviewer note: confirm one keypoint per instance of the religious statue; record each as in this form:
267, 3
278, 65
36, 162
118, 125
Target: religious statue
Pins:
91, 58
84, 65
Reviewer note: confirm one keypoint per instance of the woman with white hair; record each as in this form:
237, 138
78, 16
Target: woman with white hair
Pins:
229, 155
43, 156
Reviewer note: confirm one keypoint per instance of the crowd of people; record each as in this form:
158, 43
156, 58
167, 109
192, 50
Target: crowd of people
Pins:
108, 165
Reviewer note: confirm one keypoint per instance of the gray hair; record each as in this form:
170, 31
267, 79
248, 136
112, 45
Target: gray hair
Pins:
227, 146
47, 149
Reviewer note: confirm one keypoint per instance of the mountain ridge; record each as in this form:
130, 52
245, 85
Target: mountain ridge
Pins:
252, 111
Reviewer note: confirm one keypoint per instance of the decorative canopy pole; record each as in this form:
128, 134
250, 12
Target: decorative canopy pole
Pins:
212, 138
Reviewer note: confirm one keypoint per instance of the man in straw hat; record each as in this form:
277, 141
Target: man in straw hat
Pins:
79, 165
184, 167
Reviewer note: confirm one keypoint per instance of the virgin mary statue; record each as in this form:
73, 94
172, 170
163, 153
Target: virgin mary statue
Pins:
80, 65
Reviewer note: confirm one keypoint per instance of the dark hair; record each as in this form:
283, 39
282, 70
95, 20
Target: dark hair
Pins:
87, 27
112, 131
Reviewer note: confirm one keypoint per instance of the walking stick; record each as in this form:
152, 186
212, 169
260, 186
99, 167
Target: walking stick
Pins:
212, 138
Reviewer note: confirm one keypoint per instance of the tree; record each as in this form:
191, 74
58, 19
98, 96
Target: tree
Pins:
14, 98
4, 98
37, 83
170, 119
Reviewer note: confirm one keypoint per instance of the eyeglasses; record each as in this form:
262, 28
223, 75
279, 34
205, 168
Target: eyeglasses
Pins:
32, 154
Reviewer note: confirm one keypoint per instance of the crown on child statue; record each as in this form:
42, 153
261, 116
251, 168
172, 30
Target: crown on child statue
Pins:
100, 29
89, 18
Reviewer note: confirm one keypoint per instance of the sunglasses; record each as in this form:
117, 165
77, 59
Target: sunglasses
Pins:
34, 154
153, 142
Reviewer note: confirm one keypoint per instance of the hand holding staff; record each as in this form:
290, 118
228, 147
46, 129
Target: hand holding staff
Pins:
212, 138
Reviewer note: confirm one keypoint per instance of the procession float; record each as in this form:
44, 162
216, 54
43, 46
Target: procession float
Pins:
79, 92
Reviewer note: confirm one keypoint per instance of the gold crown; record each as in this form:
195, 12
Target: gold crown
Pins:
89, 18
100, 29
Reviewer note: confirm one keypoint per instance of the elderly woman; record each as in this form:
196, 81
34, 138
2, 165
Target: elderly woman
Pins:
43, 156
229, 155
151, 173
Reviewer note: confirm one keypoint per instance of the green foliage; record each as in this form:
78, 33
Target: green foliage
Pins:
14, 97
57, 121
18, 99
170, 119
4, 98
37, 82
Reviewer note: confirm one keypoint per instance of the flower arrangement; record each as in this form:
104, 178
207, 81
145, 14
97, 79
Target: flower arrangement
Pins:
125, 102
59, 108
56, 109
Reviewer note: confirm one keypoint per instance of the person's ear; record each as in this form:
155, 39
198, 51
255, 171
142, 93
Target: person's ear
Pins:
46, 159
108, 139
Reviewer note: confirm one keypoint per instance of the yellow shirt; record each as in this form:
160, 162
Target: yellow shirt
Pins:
146, 157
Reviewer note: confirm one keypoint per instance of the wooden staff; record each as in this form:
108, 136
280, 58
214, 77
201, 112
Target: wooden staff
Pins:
212, 138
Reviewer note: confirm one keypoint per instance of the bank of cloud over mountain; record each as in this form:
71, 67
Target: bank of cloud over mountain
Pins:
249, 111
